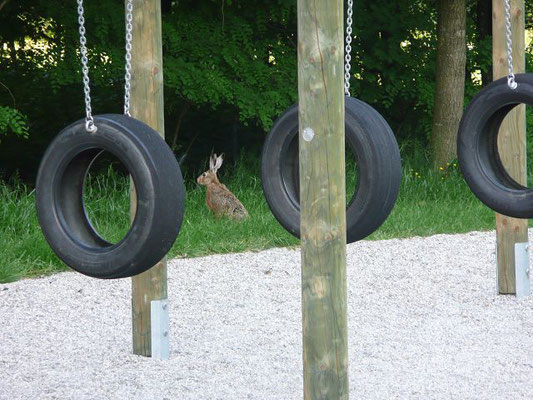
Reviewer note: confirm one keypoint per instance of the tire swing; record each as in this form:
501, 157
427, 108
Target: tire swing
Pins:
151, 164
377, 158
477, 141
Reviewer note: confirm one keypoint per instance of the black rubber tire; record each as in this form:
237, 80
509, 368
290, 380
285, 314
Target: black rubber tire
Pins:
378, 164
158, 183
477, 147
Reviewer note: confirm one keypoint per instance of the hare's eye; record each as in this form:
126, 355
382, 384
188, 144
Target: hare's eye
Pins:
204, 174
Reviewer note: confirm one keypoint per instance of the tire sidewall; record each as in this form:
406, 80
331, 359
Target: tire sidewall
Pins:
477, 149
155, 225
378, 164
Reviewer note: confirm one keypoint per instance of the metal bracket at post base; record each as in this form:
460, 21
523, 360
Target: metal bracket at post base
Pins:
523, 286
160, 329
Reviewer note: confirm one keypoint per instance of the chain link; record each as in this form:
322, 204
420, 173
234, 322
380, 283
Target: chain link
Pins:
127, 77
348, 57
89, 121
510, 77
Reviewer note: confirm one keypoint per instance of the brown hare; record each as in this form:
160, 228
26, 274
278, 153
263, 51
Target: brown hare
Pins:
219, 199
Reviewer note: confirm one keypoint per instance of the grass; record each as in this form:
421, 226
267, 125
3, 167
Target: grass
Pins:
24, 251
429, 203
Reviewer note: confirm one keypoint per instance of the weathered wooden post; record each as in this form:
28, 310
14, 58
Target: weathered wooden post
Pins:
322, 198
511, 141
147, 106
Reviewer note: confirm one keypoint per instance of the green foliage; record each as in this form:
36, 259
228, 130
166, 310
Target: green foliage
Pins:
238, 56
394, 62
227, 62
235, 61
13, 121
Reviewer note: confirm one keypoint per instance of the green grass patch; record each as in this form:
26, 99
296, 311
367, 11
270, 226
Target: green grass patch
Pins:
429, 203
435, 202
24, 250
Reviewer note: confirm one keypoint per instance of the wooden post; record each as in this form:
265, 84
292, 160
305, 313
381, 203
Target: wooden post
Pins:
511, 141
322, 198
147, 106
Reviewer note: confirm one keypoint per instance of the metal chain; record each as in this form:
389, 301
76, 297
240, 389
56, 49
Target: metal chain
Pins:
127, 78
89, 124
89, 121
348, 57
510, 77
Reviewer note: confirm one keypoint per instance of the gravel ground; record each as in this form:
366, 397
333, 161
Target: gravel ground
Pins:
424, 323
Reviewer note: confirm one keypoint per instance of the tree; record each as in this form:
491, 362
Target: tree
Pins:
449, 80
231, 61
229, 68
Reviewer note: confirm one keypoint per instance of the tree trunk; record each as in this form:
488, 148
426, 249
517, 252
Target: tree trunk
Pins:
450, 80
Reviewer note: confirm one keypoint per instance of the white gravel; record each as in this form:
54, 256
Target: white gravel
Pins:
424, 323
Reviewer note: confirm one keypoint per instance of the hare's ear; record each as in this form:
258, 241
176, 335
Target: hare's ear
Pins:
212, 162
219, 161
